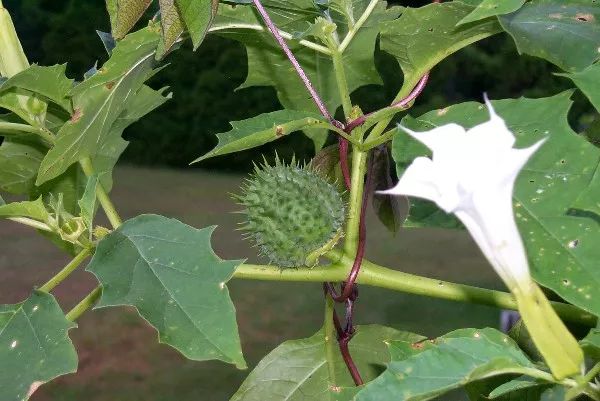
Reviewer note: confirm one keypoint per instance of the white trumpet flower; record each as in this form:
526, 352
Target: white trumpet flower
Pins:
472, 175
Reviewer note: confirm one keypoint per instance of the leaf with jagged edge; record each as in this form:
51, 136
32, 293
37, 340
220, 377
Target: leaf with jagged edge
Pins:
564, 33
297, 370
561, 241
268, 65
422, 37
425, 370
124, 14
264, 128
99, 101
72, 183
169, 272
489, 8
588, 81
589, 199
197, 16
50, 82
32, 209
34, 346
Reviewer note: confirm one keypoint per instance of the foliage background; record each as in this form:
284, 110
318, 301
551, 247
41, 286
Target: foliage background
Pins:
204, 83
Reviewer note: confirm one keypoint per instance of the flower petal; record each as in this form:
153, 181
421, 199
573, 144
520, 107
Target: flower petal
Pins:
439, 139
422, 180
492, 134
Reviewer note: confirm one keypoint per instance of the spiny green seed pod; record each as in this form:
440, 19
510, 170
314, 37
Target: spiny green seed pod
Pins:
294, 215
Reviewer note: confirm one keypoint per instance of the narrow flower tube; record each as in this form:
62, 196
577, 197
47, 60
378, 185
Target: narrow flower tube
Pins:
472, 175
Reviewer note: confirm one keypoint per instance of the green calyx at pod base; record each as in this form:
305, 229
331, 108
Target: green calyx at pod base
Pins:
293, 214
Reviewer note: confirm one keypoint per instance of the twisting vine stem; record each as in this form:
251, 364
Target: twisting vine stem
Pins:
299, 70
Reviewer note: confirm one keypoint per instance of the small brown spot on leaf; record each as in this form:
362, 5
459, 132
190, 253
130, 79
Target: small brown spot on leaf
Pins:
335, 389
77, 113
584, 17
279, 131
110, 85
418, 344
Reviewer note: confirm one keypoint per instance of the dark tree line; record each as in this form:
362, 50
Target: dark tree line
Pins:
204, 82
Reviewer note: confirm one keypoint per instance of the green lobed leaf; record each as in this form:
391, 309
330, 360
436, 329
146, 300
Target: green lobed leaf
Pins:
588, 81
425, 370
564, 33
561, 242
268, 65
297, 369
124, 14
197, 16
169, 272
490, 8
422, 37
32, 209
34, 346
99, 101
264, 128
589, 199
50, 82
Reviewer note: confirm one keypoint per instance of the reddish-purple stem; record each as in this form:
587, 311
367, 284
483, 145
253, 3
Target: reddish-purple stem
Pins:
357, 122
299, 70
348, 285
343, 147
349, 361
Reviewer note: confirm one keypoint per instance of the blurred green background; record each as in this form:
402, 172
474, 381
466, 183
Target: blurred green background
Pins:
120, 359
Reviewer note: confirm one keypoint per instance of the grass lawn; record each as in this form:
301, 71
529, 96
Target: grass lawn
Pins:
120, 359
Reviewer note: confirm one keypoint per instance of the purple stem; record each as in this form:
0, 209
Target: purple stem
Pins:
343, 148
357, 122
349, 285
313, 93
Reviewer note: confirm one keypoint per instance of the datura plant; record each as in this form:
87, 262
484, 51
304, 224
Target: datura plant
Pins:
513, 172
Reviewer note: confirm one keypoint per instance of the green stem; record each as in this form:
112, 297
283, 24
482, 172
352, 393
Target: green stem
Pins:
330, 339
16, 128
359, 167
376, 132
66, 271
361, 21
31, 223
260, 28
105, 202
84, 304
379, 276
593, 372
373, 143
342, 83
